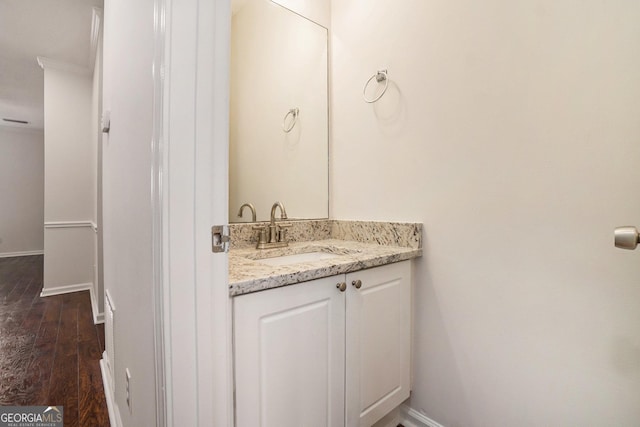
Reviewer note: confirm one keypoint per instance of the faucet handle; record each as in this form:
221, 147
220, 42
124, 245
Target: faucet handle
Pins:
282, 232
262, 234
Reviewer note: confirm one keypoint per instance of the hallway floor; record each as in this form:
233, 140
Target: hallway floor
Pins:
49, 347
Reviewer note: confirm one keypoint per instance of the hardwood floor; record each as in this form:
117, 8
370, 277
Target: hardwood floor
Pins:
49, 347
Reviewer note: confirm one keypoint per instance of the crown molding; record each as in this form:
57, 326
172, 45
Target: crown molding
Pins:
96, 27
53, 64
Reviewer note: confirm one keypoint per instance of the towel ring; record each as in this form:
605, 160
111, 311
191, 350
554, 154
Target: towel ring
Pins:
380, 76
294, 113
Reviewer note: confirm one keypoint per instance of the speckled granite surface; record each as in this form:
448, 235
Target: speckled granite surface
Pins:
380, 233
406, 234
243, 235
247, 274
360, 245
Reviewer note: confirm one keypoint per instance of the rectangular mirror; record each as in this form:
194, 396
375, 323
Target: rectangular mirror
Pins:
279, 119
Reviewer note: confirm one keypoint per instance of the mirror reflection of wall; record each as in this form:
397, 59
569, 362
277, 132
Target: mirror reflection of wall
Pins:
278, 63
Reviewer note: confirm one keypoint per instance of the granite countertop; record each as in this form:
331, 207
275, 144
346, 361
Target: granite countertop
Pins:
248, 274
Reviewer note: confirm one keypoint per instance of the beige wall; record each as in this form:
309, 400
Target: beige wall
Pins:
69, 170
69, 164
316, 10
510, 129
21, 191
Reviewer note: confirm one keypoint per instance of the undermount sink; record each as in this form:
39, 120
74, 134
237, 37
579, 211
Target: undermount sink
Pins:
297, 258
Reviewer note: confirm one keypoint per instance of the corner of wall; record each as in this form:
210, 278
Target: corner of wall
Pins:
409, 417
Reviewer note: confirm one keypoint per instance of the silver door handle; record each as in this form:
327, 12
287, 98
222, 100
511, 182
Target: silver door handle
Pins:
626, 237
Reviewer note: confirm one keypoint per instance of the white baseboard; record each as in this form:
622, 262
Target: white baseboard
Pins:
71, 224
23, 253
98, 317
60, 290
412, 418
114, 414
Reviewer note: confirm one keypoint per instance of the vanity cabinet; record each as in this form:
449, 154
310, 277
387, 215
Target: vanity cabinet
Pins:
313, 355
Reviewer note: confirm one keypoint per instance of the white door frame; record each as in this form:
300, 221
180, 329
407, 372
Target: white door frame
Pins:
193, 311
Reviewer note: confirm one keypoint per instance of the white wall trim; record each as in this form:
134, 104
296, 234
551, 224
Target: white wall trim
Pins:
71, 224
98, 317
162, 366
412, 418
22, 253
60, 290
44, 63
114, 414
197, 309
96, 24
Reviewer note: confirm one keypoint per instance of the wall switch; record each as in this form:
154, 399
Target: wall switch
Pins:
128, 389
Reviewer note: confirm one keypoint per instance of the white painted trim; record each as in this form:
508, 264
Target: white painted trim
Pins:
412, 418
22, 253
109, 300
94, 38
60, 290
162, 389
197, 307
71, 224
45, 63
114, 414
97, 316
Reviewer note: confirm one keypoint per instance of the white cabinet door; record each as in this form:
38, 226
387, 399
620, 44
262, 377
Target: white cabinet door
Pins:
378, 342
289, 356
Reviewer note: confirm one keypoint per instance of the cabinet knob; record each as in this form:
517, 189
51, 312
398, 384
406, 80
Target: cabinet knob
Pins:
626, 237
357, 283
342, 286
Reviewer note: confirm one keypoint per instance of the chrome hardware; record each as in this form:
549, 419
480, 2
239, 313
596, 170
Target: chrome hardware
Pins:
273, 231
283, 212
380, 76
262, 236
275, 234
282, 233
253, 211
342, 286
357, 283
626, 237
293, 112
220, 238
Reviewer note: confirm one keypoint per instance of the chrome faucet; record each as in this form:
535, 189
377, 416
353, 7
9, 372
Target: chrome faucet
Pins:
274, 235
273, 229
253, 211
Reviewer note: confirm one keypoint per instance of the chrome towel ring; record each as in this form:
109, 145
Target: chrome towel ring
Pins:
294, 114
380, 76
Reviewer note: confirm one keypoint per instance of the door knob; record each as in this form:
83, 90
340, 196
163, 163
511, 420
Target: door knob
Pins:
626, 237
342, 286
357, 283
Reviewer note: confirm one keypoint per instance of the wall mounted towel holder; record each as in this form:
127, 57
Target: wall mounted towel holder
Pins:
380, 76
294, 112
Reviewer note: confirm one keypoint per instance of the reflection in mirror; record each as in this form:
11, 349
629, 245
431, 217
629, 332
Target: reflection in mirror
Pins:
278, 135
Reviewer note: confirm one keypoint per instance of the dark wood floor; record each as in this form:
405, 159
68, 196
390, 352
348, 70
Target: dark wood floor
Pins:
49, 347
